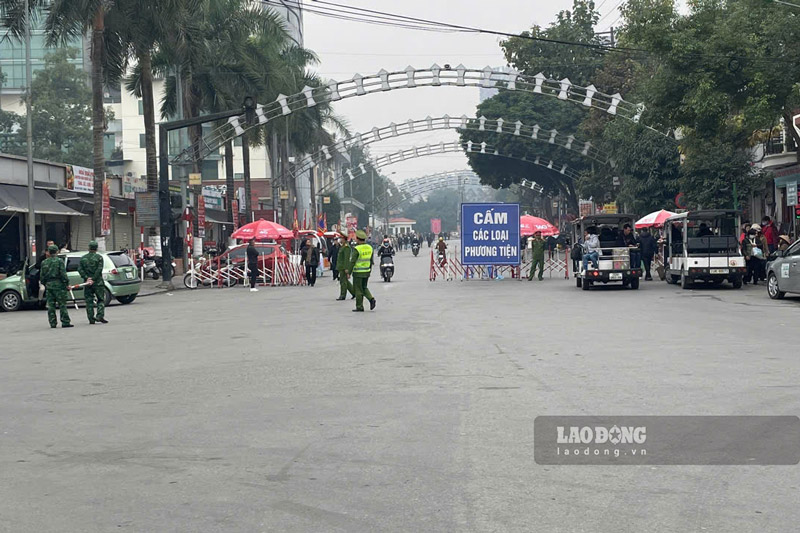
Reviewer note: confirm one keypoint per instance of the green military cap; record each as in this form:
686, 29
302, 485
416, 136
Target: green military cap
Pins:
93, 245
361, 234
53, 249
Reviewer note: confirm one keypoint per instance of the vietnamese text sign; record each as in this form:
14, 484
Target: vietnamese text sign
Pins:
105, 222
195, 178
490, 234
147, 213
791, 193
80, 179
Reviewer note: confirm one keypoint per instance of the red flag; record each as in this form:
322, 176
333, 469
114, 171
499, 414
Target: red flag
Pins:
305, 225
295, 227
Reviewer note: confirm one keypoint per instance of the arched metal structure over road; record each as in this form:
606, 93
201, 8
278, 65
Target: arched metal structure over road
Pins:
409, 78
444, 148
501, 126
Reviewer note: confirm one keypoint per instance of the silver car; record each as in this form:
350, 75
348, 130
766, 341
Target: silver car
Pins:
783, 273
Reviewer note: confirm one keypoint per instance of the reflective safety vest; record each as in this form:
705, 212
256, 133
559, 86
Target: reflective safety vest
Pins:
364, 261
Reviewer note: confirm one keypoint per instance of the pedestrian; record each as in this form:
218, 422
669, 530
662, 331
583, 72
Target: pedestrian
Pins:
91, 270
537, 245
333, 254
784, 242
344, 265
361, 270
54, 277
753, 250
770, 234
648, 247
252, 263
310, 258
745, 232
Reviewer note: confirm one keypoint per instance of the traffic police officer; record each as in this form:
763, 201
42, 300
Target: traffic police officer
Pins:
54, 277
344, 264
91, 270
361, 270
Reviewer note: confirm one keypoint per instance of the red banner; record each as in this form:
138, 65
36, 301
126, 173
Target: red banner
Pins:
105, 225
235, 205
352, 225
201, 217
436, 225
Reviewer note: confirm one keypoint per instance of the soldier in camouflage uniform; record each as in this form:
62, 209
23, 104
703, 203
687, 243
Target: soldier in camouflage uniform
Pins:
54, 277
91, 268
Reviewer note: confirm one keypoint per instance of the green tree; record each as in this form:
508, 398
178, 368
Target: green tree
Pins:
62, 113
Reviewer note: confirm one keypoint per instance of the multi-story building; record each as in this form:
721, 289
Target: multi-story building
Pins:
124, 138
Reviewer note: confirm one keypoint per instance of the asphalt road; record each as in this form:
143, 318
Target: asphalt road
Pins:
225, 410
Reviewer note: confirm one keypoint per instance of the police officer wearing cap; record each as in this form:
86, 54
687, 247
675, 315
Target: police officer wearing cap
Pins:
91, 270
54, 277
361, 271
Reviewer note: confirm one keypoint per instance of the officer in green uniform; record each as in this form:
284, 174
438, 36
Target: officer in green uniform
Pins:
361, 270
54, 277
538, 255
91, 268
344, 264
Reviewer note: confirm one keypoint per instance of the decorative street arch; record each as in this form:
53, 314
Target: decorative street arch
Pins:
409, 78
444, 148
501, 126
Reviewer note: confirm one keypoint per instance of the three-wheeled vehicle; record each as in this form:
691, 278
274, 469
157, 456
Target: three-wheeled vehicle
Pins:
704, 246
614, 262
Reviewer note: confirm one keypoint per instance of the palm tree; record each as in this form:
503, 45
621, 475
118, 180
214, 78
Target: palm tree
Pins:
216, 78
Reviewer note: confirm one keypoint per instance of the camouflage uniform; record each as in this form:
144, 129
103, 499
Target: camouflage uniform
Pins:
537, 245
54, 277
91, 266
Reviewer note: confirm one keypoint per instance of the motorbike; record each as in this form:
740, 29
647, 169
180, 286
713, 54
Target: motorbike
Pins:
415, 249
159, 261
387, 267
442, 259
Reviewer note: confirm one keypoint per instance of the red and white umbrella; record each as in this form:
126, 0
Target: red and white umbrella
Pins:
655, 219
528, 225
262, 230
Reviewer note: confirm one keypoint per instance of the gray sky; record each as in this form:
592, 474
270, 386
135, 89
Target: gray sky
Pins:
346, 48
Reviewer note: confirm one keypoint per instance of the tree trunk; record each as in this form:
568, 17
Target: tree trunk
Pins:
229, 183
149, 108
98, 118
248, 207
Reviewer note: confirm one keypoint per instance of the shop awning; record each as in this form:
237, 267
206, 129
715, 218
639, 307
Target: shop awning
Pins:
14, 199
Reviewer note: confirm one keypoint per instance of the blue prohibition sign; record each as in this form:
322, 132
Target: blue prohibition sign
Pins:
490, 234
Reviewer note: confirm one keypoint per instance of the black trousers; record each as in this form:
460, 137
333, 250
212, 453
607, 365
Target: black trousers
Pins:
648, 262
311, 274
253, 276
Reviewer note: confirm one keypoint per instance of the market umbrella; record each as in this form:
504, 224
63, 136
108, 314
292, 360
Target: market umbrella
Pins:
528, 225
262, 230
655, 219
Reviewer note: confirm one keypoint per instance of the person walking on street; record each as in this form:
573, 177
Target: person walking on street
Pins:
252, 263
54, 278
537, 245
91, 270
333, 254
648, 247
344, 266
361, 270
310, 259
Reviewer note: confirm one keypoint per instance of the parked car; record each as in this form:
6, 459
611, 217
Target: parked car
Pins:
783, 273
120, 277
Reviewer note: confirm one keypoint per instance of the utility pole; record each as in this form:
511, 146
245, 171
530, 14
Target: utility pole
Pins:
372, 205
29, 121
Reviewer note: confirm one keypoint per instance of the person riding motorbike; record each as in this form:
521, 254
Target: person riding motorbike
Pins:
386, 247
441, 247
